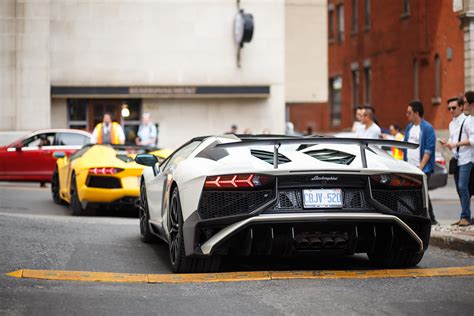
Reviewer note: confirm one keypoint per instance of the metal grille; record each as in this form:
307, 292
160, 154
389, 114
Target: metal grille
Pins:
215, 204
292, 199
403, 201
104, 182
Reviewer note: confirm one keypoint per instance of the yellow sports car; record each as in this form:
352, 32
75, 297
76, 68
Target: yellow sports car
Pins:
99, 175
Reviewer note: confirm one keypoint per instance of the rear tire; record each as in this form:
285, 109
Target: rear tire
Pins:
180, 263
395, 258
55, 188
75, 204
145, 231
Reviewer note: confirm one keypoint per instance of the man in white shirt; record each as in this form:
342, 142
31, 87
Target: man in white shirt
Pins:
369, 129
459, 131
147, 132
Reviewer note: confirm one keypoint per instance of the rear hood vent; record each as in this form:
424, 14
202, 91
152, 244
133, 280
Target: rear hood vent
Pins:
268, 156
330, 155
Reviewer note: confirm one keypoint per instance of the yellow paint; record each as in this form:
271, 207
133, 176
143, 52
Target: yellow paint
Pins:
238, 276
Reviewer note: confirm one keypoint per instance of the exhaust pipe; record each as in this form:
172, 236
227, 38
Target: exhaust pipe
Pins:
301, 243
315, 242
327, 242
340, 242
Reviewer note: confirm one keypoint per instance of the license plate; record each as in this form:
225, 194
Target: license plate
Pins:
327, 198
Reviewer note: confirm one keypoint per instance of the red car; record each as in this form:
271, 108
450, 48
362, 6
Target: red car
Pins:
30, 158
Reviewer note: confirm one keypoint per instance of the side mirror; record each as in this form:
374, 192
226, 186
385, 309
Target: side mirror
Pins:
59, 154
18, 146
146, 160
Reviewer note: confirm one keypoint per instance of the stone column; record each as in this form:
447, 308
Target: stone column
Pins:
32, 67
467, 17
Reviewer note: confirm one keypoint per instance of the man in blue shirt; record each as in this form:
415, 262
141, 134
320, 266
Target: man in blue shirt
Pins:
147, 132
421, 132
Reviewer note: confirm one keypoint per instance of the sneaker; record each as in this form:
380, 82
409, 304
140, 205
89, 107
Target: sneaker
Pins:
456, 223
464, 222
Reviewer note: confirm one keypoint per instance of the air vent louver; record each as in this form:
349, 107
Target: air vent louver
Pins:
268, 156
330, 155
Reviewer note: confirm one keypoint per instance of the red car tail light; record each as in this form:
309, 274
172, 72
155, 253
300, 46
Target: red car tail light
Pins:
397, 180
237, 181
104, 171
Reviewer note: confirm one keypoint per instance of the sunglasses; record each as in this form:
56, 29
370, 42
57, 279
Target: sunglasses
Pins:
452, 108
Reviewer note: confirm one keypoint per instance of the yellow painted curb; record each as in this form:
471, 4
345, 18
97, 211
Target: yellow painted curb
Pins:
238, 276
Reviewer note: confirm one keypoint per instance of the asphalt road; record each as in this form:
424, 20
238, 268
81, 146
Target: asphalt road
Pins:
37, 234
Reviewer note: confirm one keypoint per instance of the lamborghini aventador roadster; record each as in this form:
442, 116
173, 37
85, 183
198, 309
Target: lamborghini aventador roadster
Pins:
284, 196
99, 175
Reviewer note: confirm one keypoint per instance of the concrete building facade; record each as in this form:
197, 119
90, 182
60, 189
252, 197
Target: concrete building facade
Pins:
64, 63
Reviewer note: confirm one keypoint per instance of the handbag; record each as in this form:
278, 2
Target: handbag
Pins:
453, 162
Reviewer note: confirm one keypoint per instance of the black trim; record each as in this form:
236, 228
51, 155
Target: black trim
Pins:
89, 90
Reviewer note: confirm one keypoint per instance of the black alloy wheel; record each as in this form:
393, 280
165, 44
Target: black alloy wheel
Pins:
75, 204
55, 188
145, 231
179, 262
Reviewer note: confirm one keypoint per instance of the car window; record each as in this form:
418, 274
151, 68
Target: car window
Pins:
72, 139
39, 140
180, 155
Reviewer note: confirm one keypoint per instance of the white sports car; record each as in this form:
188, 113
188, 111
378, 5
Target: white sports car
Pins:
284, 196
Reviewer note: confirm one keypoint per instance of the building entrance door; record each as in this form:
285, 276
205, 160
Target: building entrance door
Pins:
98, 107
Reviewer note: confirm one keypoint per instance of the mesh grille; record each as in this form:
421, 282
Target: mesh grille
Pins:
403, 201
227, 203
104, 182
292, 199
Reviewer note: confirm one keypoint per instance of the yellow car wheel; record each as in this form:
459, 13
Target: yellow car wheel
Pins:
75, 204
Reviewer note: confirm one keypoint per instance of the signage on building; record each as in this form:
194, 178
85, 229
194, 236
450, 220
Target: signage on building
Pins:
162, 92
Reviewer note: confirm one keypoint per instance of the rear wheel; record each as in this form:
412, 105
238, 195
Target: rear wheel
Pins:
75, 204
179, 262
55, 188
145, 231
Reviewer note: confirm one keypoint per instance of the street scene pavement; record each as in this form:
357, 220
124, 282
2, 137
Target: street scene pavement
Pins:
37, 234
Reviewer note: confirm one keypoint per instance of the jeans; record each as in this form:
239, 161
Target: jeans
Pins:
461, 177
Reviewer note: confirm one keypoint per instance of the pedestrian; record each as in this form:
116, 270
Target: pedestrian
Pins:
459, 131
358, 118
368, 129
147, 134
419, 131
233, 129
108, 132
396, 132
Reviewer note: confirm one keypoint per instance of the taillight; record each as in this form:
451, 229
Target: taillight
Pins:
397, 180
237, 181
104, 171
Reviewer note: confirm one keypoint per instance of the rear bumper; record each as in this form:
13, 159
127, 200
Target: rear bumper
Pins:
97, 195
265, 233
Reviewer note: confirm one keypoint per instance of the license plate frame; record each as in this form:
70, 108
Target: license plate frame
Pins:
322, 198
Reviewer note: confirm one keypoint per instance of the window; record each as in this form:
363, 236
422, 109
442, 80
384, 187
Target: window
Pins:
367, 14
39, 140
77, 113
132, 122
72, 139
340, 23
180, 155
335, 87
406, 8
331, 21
437, 88
354, 16
355, 87
368, 82
416, 79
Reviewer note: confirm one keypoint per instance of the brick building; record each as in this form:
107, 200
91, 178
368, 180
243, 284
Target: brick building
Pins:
386, 53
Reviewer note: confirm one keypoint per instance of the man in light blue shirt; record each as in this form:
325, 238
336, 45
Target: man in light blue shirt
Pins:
147, 132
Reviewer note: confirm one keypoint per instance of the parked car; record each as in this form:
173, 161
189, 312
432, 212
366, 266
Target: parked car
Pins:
30, 158
284, 196
105, 175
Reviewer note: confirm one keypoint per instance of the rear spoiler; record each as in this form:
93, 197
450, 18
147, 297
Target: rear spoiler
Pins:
277, 142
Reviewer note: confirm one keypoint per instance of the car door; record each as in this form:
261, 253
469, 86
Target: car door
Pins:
158, 188
29, 160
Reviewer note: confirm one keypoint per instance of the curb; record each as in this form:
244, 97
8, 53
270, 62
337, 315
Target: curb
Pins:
453, 242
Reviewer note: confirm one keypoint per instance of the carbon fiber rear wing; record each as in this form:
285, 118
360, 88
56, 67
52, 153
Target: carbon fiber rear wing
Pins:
277, 142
